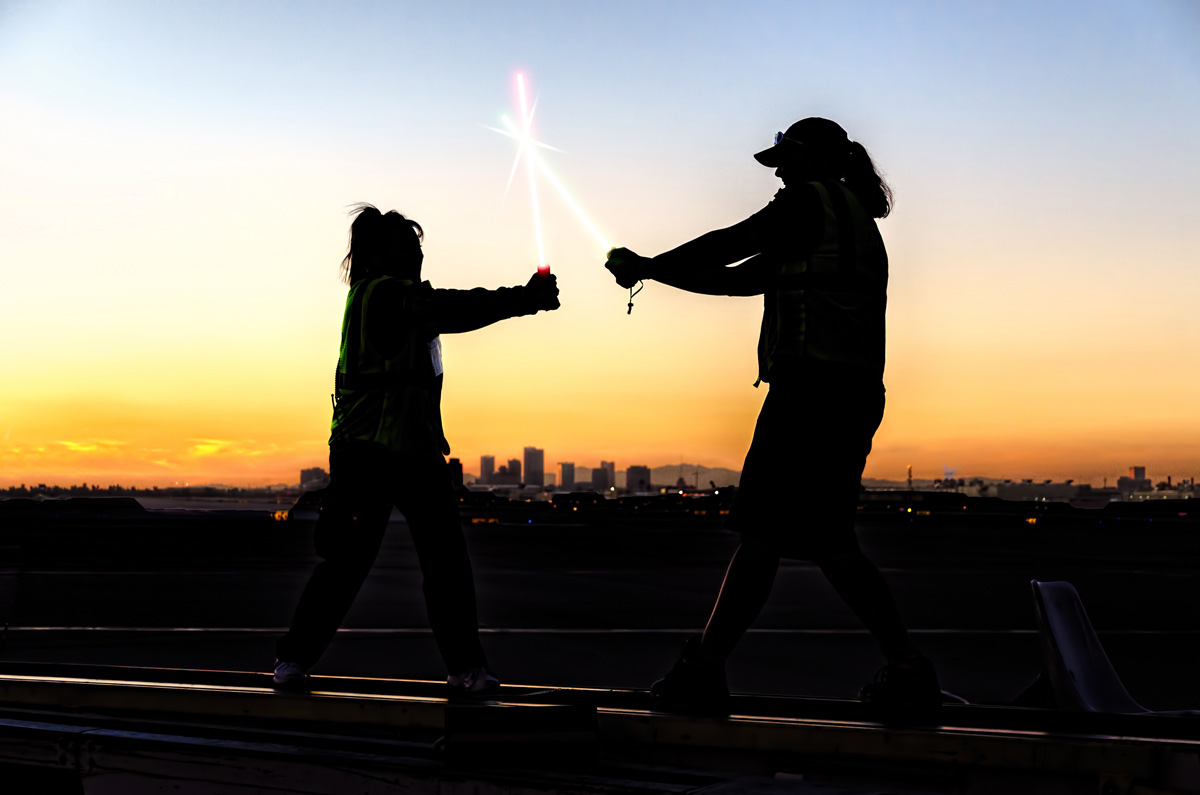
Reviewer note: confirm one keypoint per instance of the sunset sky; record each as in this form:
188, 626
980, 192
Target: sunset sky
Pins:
175, 179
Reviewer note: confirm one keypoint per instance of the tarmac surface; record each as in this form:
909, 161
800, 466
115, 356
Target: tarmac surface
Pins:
604, 605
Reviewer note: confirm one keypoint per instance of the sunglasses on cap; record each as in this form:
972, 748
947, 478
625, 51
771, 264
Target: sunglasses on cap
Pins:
780, 138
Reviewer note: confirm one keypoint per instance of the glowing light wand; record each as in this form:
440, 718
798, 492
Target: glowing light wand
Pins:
527, 147
526, 138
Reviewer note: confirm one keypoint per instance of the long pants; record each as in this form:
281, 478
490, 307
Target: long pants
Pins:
366, 480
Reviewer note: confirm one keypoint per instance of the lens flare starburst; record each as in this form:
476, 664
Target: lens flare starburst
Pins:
528, 148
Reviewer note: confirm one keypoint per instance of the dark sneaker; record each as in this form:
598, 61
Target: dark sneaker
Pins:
904, 691
695, 686
290, 676
473, 682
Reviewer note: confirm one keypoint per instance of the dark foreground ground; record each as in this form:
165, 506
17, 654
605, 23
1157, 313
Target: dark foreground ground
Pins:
608, 604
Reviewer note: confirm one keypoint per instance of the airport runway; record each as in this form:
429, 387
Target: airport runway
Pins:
604, 605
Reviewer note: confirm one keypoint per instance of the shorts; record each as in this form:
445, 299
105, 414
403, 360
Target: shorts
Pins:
803, 473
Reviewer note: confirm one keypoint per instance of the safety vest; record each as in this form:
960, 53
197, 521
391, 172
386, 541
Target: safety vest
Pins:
828, 307
394, 401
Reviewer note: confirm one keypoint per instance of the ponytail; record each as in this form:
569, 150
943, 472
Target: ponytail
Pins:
862, 178
368, 235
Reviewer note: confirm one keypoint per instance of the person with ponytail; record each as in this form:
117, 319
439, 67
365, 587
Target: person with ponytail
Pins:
815, 254
387, 447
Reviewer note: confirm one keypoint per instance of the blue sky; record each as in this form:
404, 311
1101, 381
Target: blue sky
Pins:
168, 166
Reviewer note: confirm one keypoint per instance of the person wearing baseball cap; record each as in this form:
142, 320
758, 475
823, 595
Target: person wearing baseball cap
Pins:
814, 134
816, 256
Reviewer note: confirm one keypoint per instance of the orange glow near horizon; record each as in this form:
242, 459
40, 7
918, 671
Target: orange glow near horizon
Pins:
193, 402
723, 429
652, 407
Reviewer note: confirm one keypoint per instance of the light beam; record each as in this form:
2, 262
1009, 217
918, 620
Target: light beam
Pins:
555, 183
526, 147
566, 197
527, 121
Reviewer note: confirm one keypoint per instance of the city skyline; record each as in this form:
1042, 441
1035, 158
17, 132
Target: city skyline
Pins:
176, 180
687, 471
1137, 480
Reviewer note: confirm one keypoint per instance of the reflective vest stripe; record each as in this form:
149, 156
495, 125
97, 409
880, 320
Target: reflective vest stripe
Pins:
355, 345
392, 401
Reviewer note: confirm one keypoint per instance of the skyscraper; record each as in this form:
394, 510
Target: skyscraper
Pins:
568, 474
637, 478
487, 468
604, 476
508, 474
535, 466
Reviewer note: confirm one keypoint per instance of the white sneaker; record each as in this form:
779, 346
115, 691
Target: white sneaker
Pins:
474, 681
290, 676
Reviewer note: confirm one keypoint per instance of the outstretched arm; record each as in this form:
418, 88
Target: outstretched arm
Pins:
710, 251
395, 311
698, 266
456, 311
791, 225
746, 278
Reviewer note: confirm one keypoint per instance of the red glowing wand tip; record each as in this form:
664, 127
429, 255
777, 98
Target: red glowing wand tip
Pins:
543, 271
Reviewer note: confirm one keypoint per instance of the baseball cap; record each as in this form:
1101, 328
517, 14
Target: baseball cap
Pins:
821, 134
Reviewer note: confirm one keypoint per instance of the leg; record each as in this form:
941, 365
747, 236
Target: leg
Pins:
431, 508
862, 587
751, 573
907, 687
843, 444
354, 515
748, 583
697, 682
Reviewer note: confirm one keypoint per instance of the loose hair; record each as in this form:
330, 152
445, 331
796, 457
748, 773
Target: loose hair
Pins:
370, 233
861, 177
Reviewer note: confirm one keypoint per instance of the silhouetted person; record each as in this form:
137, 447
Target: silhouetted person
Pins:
387, 446
817, 257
